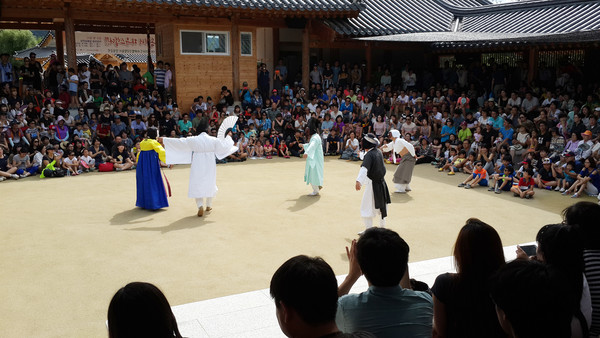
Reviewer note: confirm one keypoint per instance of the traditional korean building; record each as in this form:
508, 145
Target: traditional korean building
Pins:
211, 43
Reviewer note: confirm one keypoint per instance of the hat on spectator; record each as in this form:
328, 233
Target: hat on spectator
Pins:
491, 99
60, 118
597, 109
419, 99
20, 113
570, 154
587, 133
463, 123
546, 160
64, 145
117, 117
528, 161
490, 123
275, 90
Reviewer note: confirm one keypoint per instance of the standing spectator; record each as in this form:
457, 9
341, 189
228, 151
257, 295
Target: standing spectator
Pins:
6, 71
159, 77
264, 81
73, 88
461, 305
387, 308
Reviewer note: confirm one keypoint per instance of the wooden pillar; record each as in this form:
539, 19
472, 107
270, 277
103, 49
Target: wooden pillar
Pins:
70, 38
275, 46
149, 64
533, 61
305, 55
235, 55
368, 54
60, 42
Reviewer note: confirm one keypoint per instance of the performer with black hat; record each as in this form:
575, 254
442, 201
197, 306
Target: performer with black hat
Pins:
372, 177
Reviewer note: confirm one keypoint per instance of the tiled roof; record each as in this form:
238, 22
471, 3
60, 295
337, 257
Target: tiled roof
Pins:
385, 17
551, 17
280, 5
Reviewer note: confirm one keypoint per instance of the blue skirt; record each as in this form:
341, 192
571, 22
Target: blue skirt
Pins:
151, 192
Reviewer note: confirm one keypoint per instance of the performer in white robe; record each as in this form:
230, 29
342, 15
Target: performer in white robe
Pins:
200, 151
372, 177
403, 174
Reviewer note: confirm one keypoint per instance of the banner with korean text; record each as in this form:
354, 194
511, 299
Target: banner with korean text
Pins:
113, 43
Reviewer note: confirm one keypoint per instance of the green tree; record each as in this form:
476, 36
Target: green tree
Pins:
12, 40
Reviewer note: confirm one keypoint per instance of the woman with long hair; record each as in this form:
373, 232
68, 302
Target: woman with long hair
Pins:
462, 306
141, 310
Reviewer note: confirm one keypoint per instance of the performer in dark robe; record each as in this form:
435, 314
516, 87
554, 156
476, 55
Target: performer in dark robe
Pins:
372, 177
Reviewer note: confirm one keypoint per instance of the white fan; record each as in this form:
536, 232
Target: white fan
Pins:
229, 122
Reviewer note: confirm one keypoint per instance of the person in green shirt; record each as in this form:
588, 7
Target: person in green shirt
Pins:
464, 133
185, 125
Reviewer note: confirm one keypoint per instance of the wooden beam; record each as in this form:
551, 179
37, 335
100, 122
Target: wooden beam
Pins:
533, 60
58, 39
70, 38
368, 58
275, 45
306, 55
235, 55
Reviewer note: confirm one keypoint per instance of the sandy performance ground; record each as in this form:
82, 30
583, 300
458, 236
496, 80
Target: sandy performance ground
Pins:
68, 244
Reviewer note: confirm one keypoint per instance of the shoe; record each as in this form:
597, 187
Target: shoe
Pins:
451, 173
516, 195
2, 178
200, 211
461, 185
22, 176
564, 193
14, 176
27, 174
320, 187
527, 196
286, 156
497, 191
408, 188
398, 191
491, 189
441, 169
557, 188
79, 172
548, 188
314, 193
575, 195
269, 157
119, 169
208, 209
468, 186
562, 190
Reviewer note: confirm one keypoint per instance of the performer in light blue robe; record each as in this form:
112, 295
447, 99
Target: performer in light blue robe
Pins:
313, 152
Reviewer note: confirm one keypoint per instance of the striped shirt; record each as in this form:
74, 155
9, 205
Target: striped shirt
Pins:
591, 260
159, 77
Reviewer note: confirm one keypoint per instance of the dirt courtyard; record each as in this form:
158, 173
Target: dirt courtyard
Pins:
68, 244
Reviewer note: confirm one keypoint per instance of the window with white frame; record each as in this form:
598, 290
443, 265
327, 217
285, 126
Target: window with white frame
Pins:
199, 42
246, 43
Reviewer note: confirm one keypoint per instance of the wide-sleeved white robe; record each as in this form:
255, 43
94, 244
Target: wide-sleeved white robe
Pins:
200, 151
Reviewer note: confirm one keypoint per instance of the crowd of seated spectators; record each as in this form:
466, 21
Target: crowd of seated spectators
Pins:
555, 292
484, 120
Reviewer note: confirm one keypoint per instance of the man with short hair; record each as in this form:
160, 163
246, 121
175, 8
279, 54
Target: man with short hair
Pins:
387, 308
305, 293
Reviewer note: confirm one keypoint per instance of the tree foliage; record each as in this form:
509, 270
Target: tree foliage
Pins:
12, 40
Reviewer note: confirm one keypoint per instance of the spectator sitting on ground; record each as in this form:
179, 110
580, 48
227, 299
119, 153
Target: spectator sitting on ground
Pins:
141, 310
388, 308
461, 306
527, 302
478, 178
305, 293
525, 187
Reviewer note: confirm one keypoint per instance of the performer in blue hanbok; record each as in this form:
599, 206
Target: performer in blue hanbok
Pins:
151, 192
313, 152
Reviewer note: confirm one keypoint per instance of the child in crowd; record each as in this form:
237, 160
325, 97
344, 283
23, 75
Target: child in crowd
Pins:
525, 187
268, 149
469, 165
71, 164
283, 150
570, 176
87, 162
546, 178
453, 158
505, 181
478, 177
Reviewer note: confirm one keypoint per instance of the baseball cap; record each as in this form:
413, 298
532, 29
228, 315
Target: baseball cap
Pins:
547, 161
587, 133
